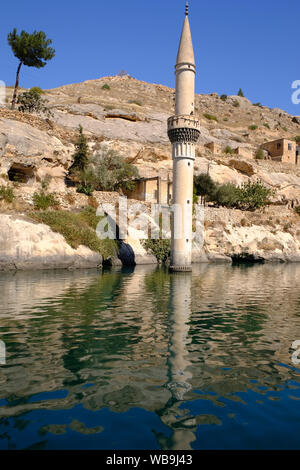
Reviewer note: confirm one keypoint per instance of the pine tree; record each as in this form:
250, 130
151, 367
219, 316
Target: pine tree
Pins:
32, 50
81, 155
240, 93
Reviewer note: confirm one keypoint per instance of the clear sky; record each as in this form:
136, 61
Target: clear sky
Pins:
252, 44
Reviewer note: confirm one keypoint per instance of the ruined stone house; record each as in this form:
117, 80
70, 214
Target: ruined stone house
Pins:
282, 150
155, 190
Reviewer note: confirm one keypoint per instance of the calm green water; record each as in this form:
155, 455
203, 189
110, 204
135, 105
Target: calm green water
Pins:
147, 360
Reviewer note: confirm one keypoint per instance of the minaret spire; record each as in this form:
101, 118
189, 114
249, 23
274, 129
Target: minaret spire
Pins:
183, 132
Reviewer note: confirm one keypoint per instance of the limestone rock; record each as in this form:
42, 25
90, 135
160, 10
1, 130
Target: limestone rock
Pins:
28, 245
242, 166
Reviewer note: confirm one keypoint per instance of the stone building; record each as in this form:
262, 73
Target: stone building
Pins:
155, 190
282, 150
214, 147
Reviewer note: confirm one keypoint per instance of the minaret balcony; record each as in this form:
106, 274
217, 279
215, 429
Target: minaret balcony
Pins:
183, 128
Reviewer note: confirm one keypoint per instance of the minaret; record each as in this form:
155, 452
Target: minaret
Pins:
183, 132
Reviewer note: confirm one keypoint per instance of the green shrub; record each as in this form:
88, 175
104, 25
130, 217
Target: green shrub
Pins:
248, 196
297, 210
223, 97
297, 139
284, 129
32, 102
78, 229
267, 125
253, 127
85, 188
258, 104
259, 154
159, 248
106, 87
228, 149
138, 103
43, 201
210, 117
226, 195
6, 194
240, 93
225, 119
236, 104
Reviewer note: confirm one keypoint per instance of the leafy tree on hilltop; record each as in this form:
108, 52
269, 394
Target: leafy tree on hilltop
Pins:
32, 50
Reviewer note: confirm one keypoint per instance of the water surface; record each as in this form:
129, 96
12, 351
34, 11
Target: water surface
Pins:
144, 359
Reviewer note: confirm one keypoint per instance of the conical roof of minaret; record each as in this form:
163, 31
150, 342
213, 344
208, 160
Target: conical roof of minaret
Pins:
186, 50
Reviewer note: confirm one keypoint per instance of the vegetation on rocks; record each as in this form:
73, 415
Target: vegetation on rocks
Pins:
240, 93
259, 154
6, 194
32, 102
228, 150
78, 228
248, 196
210, 117
43, 201
160, 248
297, 210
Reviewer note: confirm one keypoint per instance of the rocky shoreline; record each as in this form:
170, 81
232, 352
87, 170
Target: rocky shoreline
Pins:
229, 236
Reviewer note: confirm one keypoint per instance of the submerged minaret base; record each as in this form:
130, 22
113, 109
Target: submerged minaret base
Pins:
183, 132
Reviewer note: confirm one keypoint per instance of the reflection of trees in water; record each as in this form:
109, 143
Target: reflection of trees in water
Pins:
148, 339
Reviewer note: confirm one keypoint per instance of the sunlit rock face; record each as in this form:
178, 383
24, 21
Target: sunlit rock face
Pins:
28, 245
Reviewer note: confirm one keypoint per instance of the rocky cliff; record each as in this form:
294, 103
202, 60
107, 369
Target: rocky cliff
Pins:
130, 116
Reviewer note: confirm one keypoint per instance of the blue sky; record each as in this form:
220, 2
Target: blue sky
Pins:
238, 43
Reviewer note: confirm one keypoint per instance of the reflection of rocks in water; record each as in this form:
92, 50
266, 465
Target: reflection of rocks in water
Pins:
148, 339
82, 429
208, 419
123, 399
75, 425
53, 429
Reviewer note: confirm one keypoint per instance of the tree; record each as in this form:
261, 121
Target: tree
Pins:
32, 50
204, 185
81, 155
108, 171
240, 93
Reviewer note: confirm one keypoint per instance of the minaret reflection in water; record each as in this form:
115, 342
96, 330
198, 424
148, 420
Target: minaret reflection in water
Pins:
182, 423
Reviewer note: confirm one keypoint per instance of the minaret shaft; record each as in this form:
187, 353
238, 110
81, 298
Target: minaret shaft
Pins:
183, 131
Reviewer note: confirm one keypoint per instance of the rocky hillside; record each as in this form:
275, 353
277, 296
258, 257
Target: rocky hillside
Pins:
130, 116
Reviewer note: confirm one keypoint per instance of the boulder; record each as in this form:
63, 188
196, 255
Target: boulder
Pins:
242, 166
